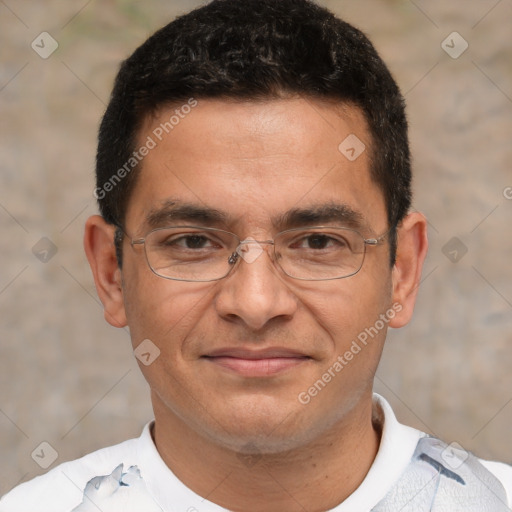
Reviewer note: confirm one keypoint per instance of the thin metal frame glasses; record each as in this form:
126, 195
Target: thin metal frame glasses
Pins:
200, 254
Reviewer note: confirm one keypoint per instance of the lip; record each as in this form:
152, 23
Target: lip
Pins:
256, 363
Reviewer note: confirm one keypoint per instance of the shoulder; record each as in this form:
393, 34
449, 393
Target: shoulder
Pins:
503, 472
62, 488
400, 446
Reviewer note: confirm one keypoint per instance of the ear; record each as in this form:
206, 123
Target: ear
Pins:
411, 252
101, 253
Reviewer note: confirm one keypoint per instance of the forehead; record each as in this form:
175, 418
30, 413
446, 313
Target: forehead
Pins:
256, 161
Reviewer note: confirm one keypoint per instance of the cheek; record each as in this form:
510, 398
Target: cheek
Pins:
162, 310
346, 307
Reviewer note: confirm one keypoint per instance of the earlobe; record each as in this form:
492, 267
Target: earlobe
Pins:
101, 253
411, 252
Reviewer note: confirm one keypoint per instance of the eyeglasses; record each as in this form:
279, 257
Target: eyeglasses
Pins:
191, 253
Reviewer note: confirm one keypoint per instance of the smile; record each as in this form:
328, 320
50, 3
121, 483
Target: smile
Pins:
257, 363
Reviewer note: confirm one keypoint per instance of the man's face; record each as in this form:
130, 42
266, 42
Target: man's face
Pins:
256, 162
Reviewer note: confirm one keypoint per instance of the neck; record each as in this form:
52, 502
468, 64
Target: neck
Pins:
316, 477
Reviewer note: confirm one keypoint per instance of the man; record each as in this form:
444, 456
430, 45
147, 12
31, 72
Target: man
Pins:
254, 182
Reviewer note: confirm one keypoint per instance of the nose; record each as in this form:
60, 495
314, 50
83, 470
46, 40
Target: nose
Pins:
256, 292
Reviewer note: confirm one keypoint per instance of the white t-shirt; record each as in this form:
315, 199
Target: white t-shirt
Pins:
152, 486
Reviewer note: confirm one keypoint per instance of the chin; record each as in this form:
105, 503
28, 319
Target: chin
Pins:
253, 431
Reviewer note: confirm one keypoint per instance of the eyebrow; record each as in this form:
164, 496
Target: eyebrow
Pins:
329, 213
174, 210
177, 211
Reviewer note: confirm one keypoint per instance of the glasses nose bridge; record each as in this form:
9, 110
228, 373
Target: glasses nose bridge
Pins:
259, 247
251, 249
253, 241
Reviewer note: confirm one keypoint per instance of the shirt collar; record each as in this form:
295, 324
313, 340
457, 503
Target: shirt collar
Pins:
396, 448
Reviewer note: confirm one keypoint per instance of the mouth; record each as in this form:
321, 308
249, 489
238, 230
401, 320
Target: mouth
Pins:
257, 363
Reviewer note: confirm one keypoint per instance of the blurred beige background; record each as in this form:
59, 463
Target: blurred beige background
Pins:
69, 379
